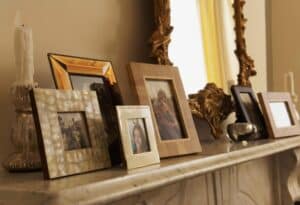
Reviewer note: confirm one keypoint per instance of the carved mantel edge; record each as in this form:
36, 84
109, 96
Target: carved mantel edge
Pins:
289, 166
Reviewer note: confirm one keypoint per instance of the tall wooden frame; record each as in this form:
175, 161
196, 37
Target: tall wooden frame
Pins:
188, 142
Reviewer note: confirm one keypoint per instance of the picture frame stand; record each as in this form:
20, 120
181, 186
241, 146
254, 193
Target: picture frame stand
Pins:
23, 134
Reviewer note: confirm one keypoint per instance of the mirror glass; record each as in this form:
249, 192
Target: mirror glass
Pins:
203, 43
186, 48
281, 114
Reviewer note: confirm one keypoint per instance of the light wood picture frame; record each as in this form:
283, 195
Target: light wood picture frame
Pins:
138, 136
70, 130
160, 87
280, 114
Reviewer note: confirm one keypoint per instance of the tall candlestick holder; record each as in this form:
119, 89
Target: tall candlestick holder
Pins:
23, 134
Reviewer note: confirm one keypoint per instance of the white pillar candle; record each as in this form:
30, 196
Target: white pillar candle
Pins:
19, 47
24, 55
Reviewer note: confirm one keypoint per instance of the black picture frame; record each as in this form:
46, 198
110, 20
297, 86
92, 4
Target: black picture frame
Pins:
249, 113
108, 103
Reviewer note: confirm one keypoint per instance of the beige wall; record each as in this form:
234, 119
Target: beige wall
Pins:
255, 12
105, 29
284, 32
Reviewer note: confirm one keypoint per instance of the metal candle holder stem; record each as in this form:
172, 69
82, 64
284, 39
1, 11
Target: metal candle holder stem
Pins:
23, 133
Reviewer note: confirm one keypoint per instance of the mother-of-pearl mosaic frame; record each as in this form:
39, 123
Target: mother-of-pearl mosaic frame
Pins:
58, 162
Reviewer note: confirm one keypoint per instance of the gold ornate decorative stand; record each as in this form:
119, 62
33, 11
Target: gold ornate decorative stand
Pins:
23, 134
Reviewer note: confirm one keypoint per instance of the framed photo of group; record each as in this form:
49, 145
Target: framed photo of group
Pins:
280, 114
71, 133
138, 136
160, 87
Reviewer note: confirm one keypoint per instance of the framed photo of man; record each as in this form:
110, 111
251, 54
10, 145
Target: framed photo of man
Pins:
161, 88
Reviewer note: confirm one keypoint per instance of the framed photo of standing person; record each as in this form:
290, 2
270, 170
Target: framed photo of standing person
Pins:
161, 88
138, 136
71, 133
247, 109
280, 114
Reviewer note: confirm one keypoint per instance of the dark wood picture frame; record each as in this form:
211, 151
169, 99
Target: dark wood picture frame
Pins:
243, 114
140, 74
57, 161
274, 132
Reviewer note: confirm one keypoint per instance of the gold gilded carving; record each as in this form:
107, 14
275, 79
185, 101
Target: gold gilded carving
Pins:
246, 62
161, 37
213, 105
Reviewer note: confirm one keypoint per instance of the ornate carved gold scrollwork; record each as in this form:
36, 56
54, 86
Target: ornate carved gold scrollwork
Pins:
213, 105
161, 37
246, 62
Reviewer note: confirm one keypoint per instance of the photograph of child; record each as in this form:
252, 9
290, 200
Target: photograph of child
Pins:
138, 135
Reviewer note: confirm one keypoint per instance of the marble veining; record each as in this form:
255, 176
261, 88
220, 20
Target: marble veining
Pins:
115, 184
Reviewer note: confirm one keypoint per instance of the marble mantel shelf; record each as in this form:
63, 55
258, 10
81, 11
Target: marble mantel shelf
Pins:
114, 184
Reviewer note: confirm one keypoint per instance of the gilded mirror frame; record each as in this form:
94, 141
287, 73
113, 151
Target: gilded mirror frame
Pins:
161, 39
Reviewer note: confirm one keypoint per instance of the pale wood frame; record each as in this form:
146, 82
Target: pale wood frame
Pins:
57, 162
274, 132
139, 73
133, 161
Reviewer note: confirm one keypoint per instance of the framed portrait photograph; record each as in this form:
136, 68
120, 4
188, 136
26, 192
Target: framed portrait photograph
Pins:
71, 133
138, 136
247, 110
78, 73
280, 114
161, 88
